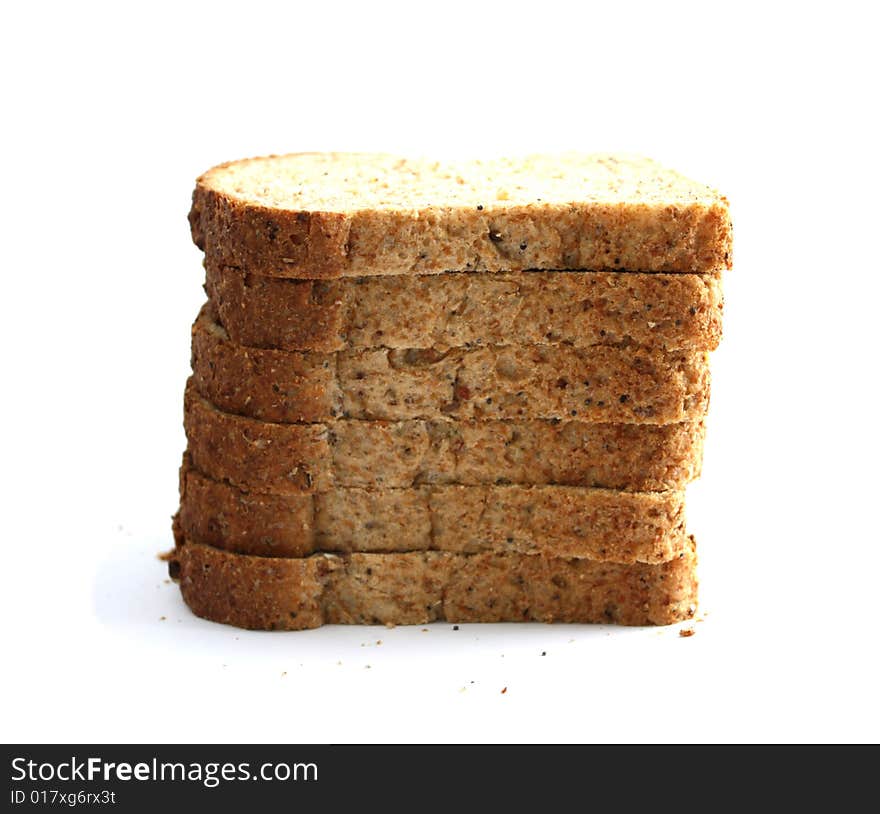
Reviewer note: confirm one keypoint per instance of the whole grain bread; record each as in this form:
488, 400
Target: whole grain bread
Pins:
562, 521
664, 311
300, 458
599, 383
312, 215
262, 593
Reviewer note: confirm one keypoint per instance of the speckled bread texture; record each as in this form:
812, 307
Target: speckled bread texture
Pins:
664, 311
342, 215
600, 524
426, 586
300, 458
601, 384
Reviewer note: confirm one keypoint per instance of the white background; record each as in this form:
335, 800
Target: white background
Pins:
110, 112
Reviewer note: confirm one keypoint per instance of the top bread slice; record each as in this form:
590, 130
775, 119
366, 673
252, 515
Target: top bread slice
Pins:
325, 215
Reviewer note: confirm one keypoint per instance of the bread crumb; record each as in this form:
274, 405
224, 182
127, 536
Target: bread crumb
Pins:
378, 641
161, 618
283, 673
686, 632
504, 691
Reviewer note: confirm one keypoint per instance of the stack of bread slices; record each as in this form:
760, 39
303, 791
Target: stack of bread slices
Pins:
469, 391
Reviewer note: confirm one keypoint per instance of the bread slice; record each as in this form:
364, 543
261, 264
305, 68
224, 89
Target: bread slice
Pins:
312, 215
600, 524
301, 458
663, 311
599, 384
426, 586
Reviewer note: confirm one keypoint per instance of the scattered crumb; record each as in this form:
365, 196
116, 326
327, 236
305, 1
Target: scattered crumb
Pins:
424, 630
543, 652
504, 691
161, 618
390, 625
167, 581
378, 641
339, 664
367, 666
283, 673
685, 632
455, 627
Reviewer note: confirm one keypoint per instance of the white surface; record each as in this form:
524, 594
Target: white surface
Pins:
109, 114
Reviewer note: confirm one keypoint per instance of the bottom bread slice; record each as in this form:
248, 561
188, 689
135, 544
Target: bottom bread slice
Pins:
262, 593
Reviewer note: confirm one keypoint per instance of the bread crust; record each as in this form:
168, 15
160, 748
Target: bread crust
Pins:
662, 311
561, 521
266, 457
419, 587
595, 384
292, 216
